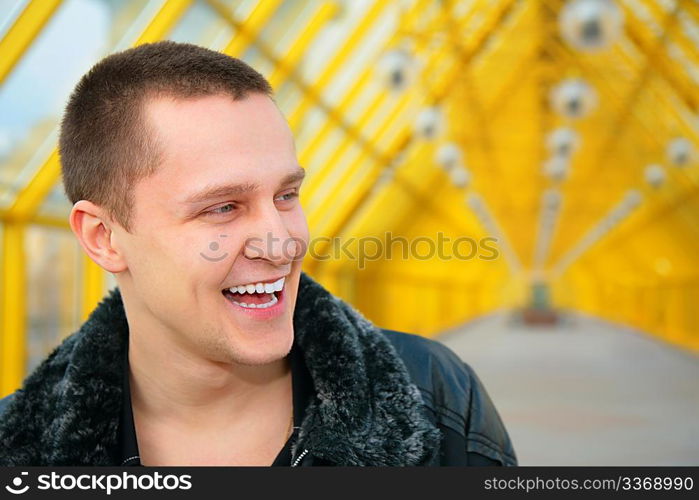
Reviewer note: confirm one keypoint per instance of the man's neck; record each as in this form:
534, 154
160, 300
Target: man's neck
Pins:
192, 411
167, 380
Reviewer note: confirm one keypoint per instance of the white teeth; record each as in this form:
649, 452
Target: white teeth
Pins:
277, 286
268, 304
264, 305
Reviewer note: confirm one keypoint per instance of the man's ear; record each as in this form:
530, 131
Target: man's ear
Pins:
91, 226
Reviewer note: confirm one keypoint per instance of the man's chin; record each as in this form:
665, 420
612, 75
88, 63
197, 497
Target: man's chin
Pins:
258, 348
260, 359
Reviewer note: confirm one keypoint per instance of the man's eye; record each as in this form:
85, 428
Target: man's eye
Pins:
287, 196
222, 210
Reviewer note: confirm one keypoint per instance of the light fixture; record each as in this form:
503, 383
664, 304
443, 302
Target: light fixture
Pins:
556, 168
460, 177
429, 123
655, 175
590, 25
563, 141
679, 152
448, 156
573, 98
396, 69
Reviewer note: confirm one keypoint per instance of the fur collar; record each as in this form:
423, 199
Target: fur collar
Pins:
366, 410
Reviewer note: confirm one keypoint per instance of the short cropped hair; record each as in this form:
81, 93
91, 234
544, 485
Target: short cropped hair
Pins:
105, 144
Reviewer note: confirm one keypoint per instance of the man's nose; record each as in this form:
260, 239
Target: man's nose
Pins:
269, 239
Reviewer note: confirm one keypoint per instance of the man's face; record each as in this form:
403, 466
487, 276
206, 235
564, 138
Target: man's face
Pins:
222, 211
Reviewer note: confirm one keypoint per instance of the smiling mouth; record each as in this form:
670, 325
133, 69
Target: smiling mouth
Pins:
255, 295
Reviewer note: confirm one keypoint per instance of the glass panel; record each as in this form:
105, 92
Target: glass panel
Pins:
200, 25
56, 204
9, 11
53, 290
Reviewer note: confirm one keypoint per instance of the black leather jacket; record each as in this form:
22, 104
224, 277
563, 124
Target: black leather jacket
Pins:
457, 404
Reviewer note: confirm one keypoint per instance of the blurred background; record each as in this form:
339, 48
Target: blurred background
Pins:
563, 134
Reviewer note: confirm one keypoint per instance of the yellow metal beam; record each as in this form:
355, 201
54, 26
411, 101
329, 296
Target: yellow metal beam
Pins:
427, 195
166, 18
692, 8
653, 56
13, 352
666, 98
23, 32
309, 151
423, 198
248, 30
332, 171
332, 112
681, 38
602, 83
656, 216
440, 92
319, 218
657, 61
344, 217
317, 22
30, 197
40, 220
93, 280
318, 179
50, 221
475, 103
579, 195
368, 20
319, 191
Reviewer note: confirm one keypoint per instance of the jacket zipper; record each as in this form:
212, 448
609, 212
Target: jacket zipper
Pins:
299, 458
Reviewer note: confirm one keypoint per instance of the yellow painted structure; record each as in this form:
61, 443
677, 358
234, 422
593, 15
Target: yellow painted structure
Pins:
490, 66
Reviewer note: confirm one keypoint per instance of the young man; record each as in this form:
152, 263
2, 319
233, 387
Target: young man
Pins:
215, 349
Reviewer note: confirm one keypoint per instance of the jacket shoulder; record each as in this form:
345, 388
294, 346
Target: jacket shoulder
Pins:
454, 393
428, 360
4, 402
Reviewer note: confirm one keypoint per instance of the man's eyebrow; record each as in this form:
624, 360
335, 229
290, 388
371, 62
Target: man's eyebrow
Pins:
221, 190
295, 176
